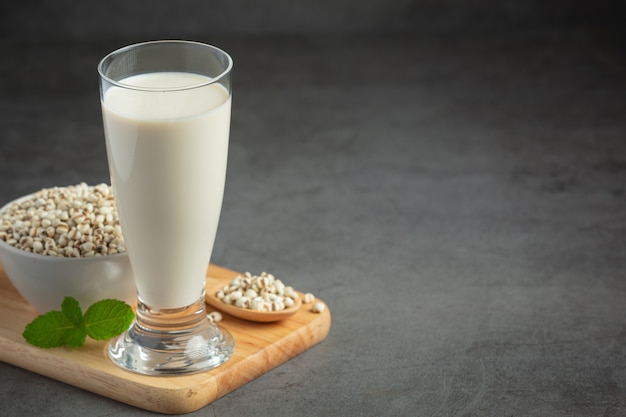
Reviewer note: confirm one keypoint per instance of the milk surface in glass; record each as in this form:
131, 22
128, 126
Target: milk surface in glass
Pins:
167, 155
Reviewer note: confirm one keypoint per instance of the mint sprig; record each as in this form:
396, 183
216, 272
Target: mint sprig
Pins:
103, 320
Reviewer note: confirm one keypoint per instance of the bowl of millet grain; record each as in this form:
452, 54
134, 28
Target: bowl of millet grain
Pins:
65, 241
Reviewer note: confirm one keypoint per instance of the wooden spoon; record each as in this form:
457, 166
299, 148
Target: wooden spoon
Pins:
246, 313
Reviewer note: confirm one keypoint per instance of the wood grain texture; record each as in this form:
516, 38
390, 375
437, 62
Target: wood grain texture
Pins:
259, 347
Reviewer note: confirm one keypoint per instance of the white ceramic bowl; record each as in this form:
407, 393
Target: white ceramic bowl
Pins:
45, 280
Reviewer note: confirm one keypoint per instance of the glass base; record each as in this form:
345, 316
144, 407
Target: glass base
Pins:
172, 342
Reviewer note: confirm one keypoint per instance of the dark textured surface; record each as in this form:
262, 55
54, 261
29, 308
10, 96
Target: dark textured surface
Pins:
456, 196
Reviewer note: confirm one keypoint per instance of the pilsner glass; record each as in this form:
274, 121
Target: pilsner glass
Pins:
166, 114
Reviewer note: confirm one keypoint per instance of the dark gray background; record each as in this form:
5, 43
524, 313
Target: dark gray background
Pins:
34, 19
448, 175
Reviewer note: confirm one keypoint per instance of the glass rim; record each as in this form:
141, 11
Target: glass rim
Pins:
126, 48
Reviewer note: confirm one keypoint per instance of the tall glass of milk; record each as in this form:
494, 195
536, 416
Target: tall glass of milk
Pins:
166, 112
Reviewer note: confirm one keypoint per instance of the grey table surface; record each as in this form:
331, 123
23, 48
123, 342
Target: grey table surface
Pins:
458, 200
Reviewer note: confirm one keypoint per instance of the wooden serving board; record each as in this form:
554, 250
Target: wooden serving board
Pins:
259, 347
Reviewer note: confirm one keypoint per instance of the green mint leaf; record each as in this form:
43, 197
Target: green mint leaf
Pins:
107, 318
53, 329
75, 337
69, 327
72, 311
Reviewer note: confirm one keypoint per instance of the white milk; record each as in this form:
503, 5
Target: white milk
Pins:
167, 155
